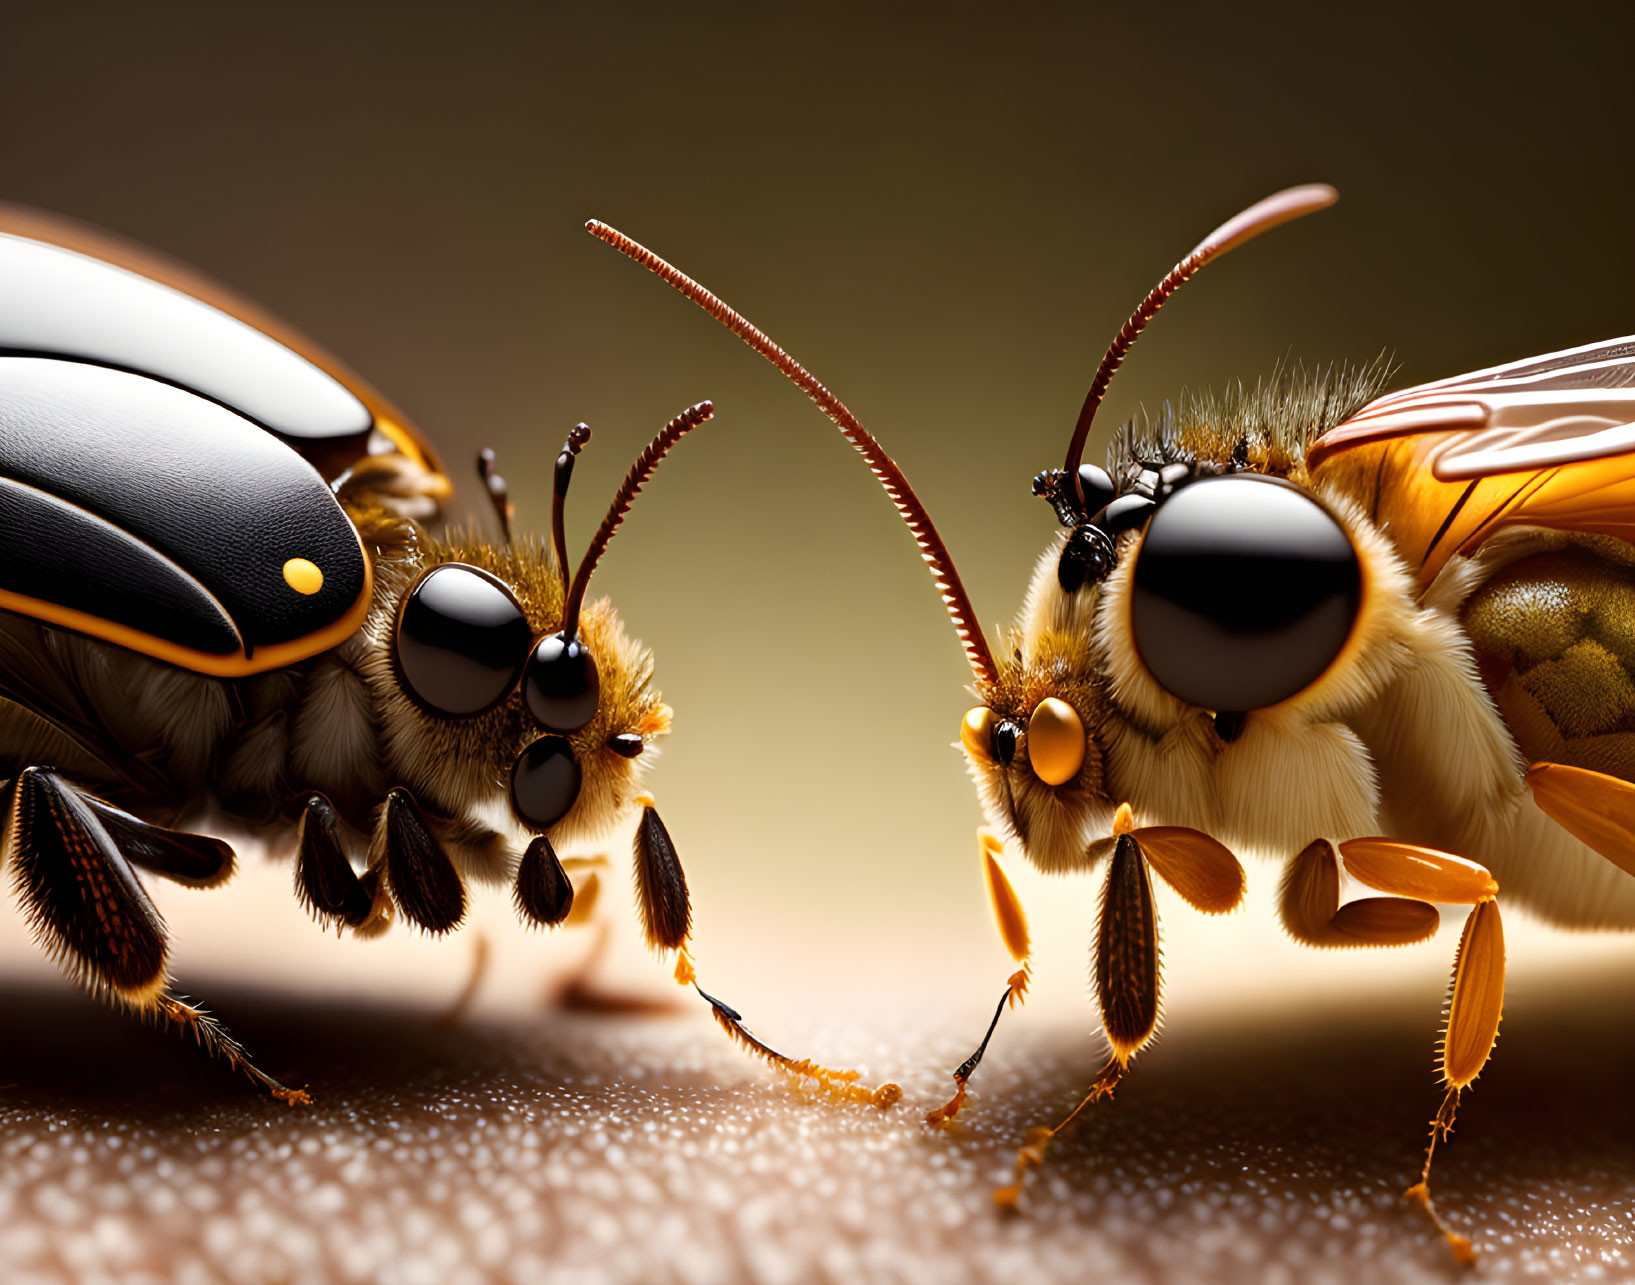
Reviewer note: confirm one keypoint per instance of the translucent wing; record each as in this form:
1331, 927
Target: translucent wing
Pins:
1549, 441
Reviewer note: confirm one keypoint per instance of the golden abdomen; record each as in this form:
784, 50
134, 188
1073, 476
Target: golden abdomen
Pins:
1554, 635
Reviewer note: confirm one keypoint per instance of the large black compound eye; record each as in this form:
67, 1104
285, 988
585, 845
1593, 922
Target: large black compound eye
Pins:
561, 686
1245, 590
461, 640
545, 782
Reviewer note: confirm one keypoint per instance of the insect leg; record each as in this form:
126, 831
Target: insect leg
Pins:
1127, 986
542, 891
481, 954
197, 860
1476, 999
1200, 868
1013, 931
1309, 905
82, 898
215, 1040
324, 878
91, 913
588, 889
1591, 806
1474, 1009
661, 888
422, 878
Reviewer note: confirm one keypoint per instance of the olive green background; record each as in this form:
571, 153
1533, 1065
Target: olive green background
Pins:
945, 216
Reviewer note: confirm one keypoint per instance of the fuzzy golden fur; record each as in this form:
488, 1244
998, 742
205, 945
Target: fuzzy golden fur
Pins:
1397, 737
457, 766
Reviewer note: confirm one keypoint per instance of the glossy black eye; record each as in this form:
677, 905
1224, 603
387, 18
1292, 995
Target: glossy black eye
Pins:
461, 640
544, 782
561, 685
1245, 590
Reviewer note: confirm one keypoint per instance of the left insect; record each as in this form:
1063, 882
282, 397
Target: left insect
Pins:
215, 588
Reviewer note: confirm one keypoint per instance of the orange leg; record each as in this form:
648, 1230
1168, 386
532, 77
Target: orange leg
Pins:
1473, 1027
1013, 931
587, 890
1309, 905
1409, 873
1592, 806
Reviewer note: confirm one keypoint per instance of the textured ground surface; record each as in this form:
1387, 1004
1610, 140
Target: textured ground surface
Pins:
591, 1148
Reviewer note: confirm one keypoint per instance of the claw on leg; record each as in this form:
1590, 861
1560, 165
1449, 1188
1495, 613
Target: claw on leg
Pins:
214, 1039
1474, 1011
843, 1085
1414, 876
661, 888
1033, 1153
1127, 985
88, 908
962, 1076
1013, 931
1420, 1192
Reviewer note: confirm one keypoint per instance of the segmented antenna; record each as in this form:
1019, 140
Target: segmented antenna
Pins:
902, 495
1280, 207
578, 435
640, 471
494, 487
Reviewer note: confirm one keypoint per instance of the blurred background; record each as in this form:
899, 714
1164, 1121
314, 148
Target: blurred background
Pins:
946, 217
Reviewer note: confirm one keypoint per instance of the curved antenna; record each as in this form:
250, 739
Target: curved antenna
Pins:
640, 471
908, 505
1262, 216
578, 435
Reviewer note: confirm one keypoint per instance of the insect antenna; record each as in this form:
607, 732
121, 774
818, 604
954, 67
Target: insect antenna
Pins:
499, 495
578, 435
1279, 207
640, 471
932, 549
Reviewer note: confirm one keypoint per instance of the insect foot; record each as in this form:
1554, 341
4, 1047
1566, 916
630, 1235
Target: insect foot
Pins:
661, 887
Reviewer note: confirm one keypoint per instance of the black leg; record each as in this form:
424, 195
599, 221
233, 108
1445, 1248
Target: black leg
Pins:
967, 1068
667, 919
543, 892
423, 880
92, 914
1013, 931
197, 860
81, 896
324, 878
661, 885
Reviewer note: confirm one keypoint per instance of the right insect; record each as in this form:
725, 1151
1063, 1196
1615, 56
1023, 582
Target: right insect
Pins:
1390, 637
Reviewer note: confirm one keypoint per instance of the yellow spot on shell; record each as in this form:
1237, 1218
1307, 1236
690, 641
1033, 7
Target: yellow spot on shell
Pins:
303, 576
